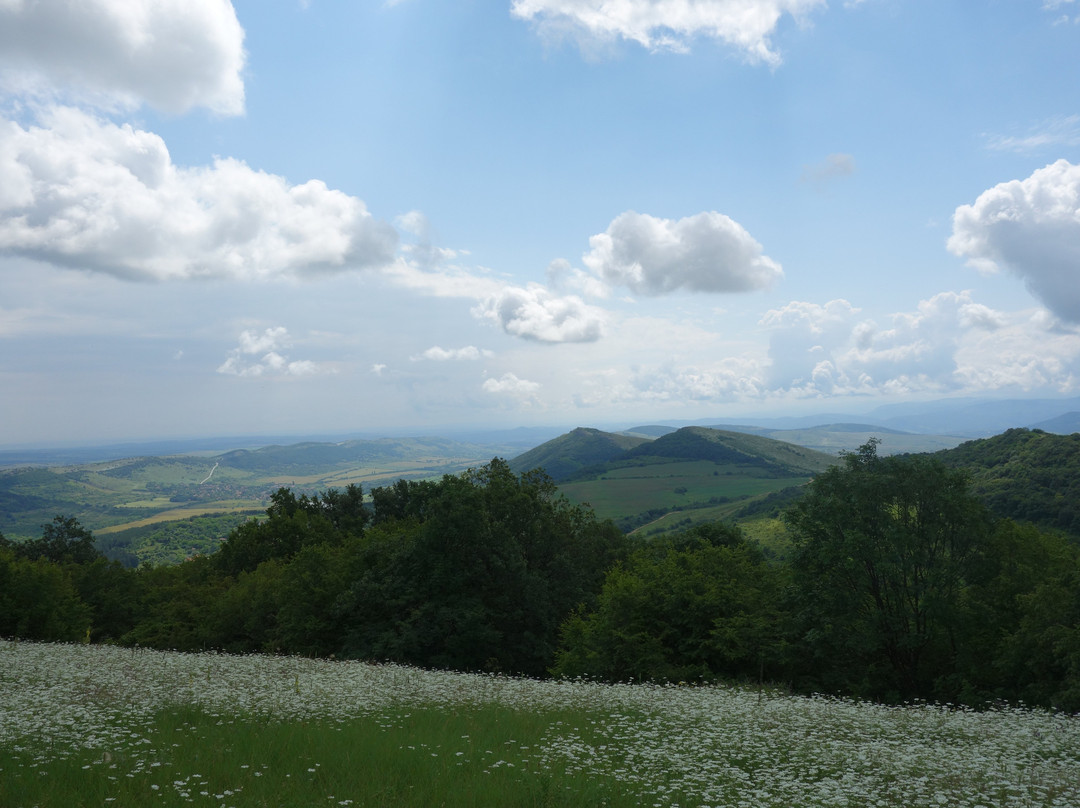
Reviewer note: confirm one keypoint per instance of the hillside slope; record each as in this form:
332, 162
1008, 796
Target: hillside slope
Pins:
686, 476
734, 448
310, 458
579, 449
1025, 474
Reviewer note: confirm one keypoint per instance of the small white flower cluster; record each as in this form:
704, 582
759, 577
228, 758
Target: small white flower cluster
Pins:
675, 745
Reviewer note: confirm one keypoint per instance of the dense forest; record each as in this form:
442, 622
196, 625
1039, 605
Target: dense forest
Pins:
901, 583
1026, 474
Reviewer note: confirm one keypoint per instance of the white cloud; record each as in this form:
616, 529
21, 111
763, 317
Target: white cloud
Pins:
976, 315
562, 275
1052, 133
947, 344
172, 54
272, 363
1027, 351
919, 350
468, 353
1063, 19
803, 335
85, 193
707, 252
1030, 227
271, 339
534, 313
510, 384
445, 281
677, 383
659, 25
944, 345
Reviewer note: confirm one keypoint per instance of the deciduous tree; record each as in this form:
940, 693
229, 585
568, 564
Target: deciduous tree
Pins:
884, 547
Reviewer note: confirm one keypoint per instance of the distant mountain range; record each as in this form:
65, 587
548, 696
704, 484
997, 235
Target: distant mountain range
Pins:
964, 417
831, 438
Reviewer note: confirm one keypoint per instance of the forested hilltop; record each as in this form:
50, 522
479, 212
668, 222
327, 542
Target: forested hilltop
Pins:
1026, 474
900, 582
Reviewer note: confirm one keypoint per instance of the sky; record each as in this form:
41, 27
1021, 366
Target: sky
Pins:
401, 217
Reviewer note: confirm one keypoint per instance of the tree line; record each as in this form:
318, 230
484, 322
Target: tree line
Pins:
899, 585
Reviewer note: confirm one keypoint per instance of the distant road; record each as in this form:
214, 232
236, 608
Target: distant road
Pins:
211, 474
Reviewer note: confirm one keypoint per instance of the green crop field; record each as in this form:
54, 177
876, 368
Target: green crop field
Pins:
630, 490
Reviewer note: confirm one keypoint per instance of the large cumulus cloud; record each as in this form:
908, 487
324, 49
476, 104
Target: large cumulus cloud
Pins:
1031, 228
669, 24
82, 192
707, 252
172, 54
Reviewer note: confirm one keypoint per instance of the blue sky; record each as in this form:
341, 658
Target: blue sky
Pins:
313, 217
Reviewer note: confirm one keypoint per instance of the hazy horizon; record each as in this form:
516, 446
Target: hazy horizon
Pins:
954, 411
232, 218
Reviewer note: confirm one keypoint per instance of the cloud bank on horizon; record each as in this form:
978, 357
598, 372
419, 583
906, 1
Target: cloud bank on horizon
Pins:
195, 195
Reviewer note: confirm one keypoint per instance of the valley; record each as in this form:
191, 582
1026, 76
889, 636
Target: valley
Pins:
649, 480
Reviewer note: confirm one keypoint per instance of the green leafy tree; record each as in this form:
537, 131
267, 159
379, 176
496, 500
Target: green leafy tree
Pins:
291, 524
243, 616
883, 550
403, 499
475, 571
63, 539
112, 593
38, 601
1019, 559
1042, 654
308, 590
701, 605
177, 605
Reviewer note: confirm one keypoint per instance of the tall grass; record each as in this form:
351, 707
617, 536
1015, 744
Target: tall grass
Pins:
89, 725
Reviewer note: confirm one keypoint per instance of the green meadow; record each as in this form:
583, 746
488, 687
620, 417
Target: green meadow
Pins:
88, 725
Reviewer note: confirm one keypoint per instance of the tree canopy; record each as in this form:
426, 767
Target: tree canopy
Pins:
883, 550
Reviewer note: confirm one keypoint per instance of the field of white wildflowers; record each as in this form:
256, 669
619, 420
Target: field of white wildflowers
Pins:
670, 745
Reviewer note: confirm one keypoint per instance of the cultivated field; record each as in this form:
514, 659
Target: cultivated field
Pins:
141, 504
98, 725
624, 491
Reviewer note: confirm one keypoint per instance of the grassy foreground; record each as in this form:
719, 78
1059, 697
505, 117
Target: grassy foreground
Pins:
101, 726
